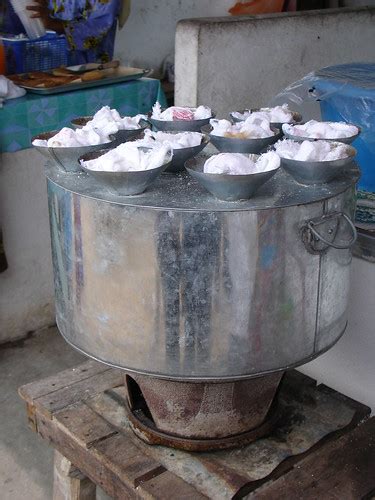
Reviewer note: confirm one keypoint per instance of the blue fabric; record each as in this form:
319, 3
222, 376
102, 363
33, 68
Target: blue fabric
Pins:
9, 21
90, 27
347, 93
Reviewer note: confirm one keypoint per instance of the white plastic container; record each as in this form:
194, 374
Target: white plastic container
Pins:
33, 27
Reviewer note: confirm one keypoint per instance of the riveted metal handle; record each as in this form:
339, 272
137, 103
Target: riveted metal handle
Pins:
316, 242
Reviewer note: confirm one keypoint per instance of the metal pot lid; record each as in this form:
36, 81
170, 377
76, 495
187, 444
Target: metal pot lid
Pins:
181, 192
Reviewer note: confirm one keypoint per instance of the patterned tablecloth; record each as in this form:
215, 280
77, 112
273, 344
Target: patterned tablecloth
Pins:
22, 118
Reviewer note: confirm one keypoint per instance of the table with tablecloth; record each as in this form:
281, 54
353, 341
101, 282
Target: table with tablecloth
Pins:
21, 119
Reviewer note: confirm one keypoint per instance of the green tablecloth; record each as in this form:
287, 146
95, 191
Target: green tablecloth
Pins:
21, 119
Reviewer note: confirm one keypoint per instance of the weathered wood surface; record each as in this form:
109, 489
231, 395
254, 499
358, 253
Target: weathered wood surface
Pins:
69, 483
82, 413
343, 469
34, 390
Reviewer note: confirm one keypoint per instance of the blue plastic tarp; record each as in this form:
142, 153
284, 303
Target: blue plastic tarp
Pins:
346, 93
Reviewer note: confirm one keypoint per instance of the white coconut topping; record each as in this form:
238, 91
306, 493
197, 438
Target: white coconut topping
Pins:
175, 141
68, 137
321, 130
241, 164
127, 157
312, 151
251, 128
277, 114
109, 121
180, 113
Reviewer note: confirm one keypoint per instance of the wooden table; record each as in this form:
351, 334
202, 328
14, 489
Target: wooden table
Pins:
323, 446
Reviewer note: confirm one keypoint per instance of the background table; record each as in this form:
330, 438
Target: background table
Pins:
21, 119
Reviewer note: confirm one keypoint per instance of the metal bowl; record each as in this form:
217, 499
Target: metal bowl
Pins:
345, 140
120, 136
180, 156
179, 125
225, 186
233, 145
316, 172
67, 157
297, 117
81, 121
124, 183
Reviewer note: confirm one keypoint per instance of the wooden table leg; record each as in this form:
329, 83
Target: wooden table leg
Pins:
69, 483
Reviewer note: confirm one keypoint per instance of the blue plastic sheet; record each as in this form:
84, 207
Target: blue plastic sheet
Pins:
346, 93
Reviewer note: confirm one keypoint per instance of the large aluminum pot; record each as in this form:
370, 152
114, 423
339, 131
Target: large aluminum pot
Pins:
177, 284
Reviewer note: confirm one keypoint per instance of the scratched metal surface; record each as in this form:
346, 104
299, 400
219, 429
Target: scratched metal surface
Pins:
181, 192
180, 292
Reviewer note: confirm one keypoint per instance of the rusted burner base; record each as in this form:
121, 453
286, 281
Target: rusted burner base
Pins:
145, 429
202, 416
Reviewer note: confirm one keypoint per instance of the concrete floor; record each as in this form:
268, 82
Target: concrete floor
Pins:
25, 459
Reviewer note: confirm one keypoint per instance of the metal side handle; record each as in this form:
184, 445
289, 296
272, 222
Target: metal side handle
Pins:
316, 242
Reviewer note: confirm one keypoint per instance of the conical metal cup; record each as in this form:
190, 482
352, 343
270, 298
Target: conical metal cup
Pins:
317, 172
180, 156
233, 145
345, 140
179, 125
225, 186
120, 136
66, 157
124, 183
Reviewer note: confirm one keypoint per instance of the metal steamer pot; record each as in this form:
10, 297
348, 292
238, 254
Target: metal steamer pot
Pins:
178, 285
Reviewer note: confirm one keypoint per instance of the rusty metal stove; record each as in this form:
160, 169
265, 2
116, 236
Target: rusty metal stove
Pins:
201, 416
203, 303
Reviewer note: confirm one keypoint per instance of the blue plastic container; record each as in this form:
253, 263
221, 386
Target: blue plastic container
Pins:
347, 93
23, 55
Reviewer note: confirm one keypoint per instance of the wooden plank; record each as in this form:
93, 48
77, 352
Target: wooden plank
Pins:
362, 412
83, 424
39, 388
98, 440
69, 483
344, 469
119, 393
86, 460
168, 485
80, 391
132, 465
31, 418
216, 464
116, 464
110, 406
124, 452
